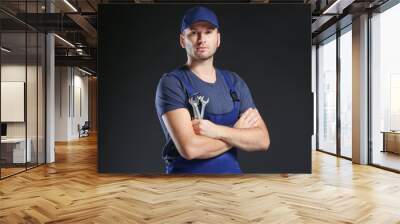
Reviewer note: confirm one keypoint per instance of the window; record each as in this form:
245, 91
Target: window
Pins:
346, 93
327, 95
385, 88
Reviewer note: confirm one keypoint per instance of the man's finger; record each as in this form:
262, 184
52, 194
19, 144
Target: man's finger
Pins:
246, 113
254, 121
250, 115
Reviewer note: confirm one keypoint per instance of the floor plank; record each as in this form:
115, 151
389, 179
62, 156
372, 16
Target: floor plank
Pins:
71, 191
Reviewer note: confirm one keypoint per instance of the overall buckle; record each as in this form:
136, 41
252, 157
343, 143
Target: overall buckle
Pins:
234, 96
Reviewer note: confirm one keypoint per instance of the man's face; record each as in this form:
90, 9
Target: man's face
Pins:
201, 40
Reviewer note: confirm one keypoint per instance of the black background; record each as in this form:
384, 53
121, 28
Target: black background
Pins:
269, 46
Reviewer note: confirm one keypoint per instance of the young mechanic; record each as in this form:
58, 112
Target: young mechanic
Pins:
208, 143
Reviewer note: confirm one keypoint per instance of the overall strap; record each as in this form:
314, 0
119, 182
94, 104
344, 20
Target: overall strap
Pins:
231, 86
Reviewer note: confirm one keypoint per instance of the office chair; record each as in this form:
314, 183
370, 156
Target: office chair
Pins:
84, 130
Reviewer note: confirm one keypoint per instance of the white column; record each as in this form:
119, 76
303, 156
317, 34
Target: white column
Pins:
50, 91
360, 90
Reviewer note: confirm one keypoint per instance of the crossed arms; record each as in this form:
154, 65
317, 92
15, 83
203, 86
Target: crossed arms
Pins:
202, 139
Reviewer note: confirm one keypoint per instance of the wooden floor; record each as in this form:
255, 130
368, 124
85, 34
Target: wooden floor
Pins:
5, 172
71, 191
8, 171
387, 159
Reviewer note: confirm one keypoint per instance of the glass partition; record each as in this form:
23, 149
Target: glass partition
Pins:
22, 88
327, 95
385, 88
14, 153
346, 93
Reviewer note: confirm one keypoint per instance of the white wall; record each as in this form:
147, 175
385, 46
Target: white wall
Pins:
12, 73
71, 93
17, 73
81, 103
33, 127
61, 103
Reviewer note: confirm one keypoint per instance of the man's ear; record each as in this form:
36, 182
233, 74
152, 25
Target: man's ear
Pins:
218, 39
182, 40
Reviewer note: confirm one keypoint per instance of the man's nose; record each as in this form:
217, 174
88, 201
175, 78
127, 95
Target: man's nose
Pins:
201, 38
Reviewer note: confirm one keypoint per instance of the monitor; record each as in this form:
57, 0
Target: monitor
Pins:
3, 129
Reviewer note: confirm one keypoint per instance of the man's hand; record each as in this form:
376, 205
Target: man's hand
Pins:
205, 128
249, 133
248, 119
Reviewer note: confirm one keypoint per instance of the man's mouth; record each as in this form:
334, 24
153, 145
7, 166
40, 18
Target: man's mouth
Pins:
201, 48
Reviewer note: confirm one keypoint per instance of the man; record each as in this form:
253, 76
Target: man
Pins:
206, 145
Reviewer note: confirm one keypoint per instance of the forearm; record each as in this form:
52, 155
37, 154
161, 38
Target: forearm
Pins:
204, 148
248, 139
187, 142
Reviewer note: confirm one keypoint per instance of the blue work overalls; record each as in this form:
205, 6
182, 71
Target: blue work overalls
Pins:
225, 163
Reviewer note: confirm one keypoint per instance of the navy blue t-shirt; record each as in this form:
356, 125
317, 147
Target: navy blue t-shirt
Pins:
172, 95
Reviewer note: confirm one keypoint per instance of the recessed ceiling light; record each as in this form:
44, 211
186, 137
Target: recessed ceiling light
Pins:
5, 50
70, 5
86, 72
64, 40
337, 7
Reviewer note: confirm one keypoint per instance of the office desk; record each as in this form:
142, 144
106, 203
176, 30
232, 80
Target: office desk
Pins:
391, 141
13, 150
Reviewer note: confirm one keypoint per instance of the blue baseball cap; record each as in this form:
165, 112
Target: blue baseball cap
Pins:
196, 14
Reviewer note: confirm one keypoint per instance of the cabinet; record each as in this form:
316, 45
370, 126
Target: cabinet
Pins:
391, 141
13, 150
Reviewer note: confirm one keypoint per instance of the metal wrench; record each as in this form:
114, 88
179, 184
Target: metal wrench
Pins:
203, 105
194, 101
